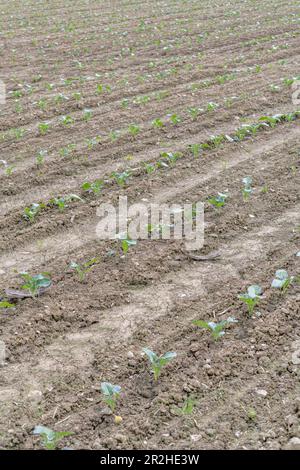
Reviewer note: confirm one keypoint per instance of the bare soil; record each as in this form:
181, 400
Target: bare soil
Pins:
60, 346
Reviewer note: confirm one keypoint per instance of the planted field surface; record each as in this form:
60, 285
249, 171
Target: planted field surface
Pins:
165, 102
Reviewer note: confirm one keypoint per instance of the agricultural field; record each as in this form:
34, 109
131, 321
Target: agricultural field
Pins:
141, 344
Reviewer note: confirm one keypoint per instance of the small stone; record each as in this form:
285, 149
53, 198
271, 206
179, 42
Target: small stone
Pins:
194, 347
295, 358
118, 419
130, 355
2, 353
9, 395
262, 393
293, 444
35, 396
94, 203
120, 438
106, 411
196, 437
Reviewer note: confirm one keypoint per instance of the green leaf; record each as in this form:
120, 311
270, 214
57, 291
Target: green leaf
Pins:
278, 283
5, 304
254, 291
168, 356
39, 430
151, 355
281, 274
201, 323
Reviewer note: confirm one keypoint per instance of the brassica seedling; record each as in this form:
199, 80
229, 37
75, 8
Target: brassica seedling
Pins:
50, 439
157, 362
247, 190
111, 394
87, 114
282, 280
34, 283
94, 187
171, 157
157, 123
133, 129
211, 106
31, 212
61, 202
175, 119
149, 167
217, 329
83, 269
195, 149
93, 141
43, 128
194, 113
121, 178
41, 157
219, 200
67, 120
187, 407
126, 243
252, 297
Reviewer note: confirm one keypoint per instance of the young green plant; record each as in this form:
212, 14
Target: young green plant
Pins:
219, 200
110, 394
217, 329
50, 438
282, 280
252, 297
83, 269
158, 362
33, 284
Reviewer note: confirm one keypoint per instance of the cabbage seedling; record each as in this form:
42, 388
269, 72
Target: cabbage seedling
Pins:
247, 190
133, 129
188, 406
94, 187
282, 280
194, 113
40, 158
217, 329
61, 202
50, 439
252, 297
126, 243
67, 120
195, 149
31, 212
121, 178
219, 200
43, 128
175, 119
211, 106
149, 167
87, 115
157, 362
34, 283
111, 394
83, 269
157, 123
92, 142
171, 157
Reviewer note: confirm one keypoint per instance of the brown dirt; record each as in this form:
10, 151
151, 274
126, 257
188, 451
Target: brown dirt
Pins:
62, 345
